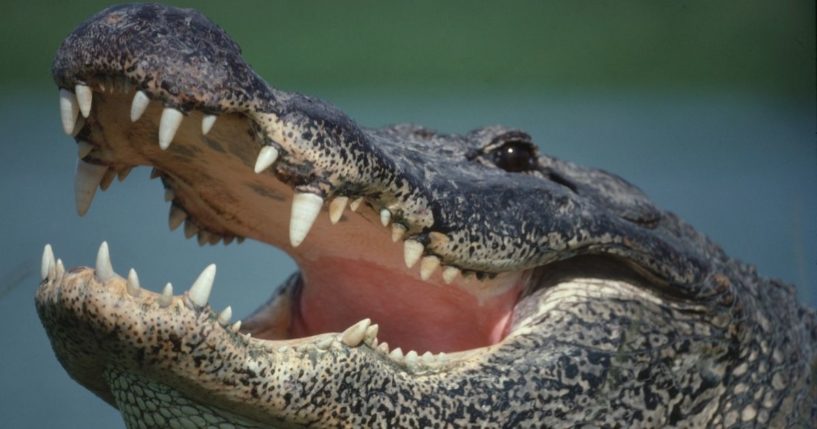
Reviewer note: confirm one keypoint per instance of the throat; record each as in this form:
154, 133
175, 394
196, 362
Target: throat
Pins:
413, 314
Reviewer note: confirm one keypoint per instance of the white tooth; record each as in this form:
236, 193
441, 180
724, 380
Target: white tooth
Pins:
412, 250
428, 265
123, 173
225, 315
169, 195
235, 326
134, 289
177, 216
84, 98
104, 270
449, 274
207, 123
371, 333
354, 334
48, 262
60, 268
355, 204
87, 178
411, 359
305, 209
68, 111
266, 157
107, 179
336, 208
200, 291
324, 342
383, 347
83, 149
138, 106
168, 124
397, 231
385, 217
167, 295
428, 358
397, 355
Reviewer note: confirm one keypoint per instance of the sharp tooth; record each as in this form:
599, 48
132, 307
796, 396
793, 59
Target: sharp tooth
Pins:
138, 106
83, 149
355, 204
207, 123
225, 316
47, 266
336, 208
228, 239
428, 358
190, 229
177, 216
428, 265
68, 111
200, 291
60, 268
383, 347
84, 98
87, 178
324, 342
168, 124
397, 355
167, 295
104, 270
266, 157
397, 231
123, 173
385, 217
133, 283
203, 237
412, 250
235, 326
371, 333
354, 334
107, 179
411, 359
169, 195
449, 274
305, 209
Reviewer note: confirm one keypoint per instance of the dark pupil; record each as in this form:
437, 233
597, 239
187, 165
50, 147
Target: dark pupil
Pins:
514, 157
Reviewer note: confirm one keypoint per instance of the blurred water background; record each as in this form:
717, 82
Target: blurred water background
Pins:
707, 106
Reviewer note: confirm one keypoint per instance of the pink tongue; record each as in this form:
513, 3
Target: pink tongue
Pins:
412, 314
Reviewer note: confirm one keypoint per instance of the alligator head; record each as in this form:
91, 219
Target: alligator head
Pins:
445, 280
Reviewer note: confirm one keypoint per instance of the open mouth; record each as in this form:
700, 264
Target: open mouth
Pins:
359, 268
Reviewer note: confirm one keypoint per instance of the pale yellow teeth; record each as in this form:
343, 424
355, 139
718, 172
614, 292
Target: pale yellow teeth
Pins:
134, 289
168, 124
266, 157
305, 209
449, 274
397, 355
354, 334
169, 195
225, 316
138, 105
336, 208
84, 98
428, 265
355, 204
177, 216
397, 232
167, 296
107, 179
385, 217
411, 359
47, 266
199, 293
86, 180
207, 123
104, 269
412, 251
235, 326
68, 111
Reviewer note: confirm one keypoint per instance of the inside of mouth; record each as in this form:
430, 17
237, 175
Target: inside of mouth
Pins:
348, 271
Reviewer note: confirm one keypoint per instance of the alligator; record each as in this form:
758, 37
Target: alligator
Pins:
444, 280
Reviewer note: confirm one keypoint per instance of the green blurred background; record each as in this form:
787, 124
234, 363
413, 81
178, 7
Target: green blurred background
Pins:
707, 106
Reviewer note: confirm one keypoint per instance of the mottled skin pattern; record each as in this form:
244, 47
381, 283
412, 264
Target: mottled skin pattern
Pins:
630, 318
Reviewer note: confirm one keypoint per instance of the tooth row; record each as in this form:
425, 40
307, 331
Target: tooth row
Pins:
366, 332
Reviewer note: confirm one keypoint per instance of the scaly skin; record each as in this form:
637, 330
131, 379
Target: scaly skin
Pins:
622, 315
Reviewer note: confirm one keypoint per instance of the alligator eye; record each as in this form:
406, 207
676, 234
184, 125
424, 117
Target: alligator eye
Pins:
515, 156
